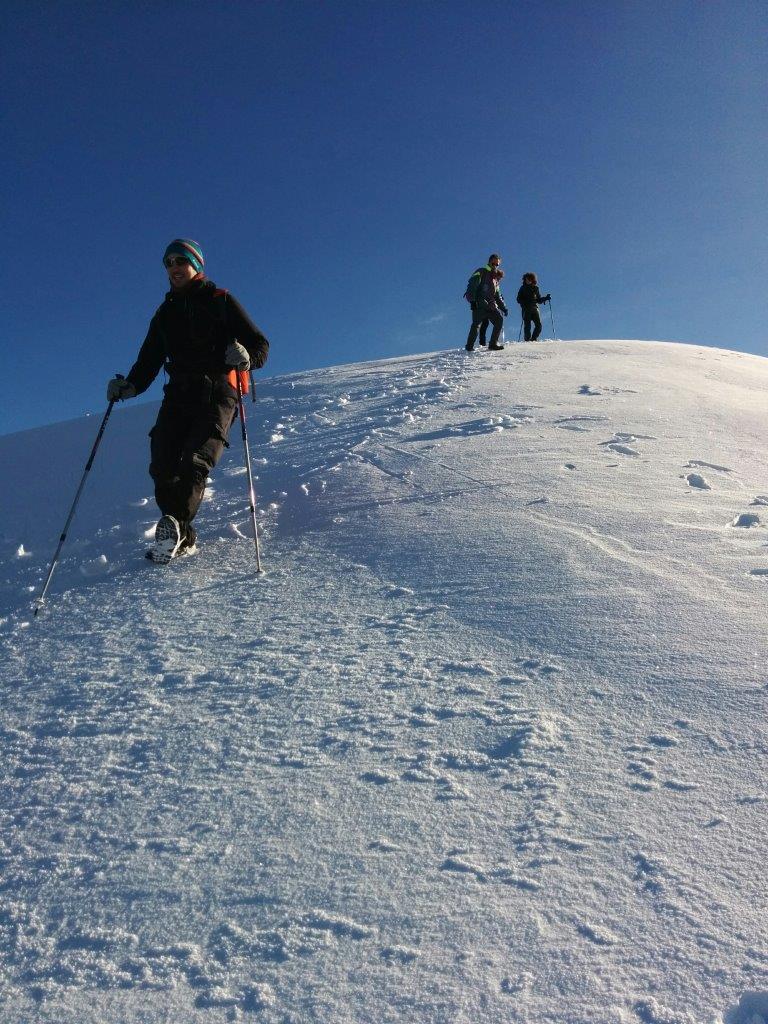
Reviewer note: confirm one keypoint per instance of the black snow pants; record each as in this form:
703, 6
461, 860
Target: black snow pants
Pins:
531, 316
484, 312
188, 440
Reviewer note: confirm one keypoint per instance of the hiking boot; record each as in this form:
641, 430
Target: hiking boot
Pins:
469, 348
167, 540
188, 544
483, 342
495, 348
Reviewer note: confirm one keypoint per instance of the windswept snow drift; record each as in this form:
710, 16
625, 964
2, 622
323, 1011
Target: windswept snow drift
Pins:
486, 743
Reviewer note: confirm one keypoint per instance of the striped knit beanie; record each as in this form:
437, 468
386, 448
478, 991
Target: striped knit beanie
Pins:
189, 249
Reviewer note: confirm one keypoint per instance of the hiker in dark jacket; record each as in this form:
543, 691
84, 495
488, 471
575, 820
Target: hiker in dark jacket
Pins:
529, 299
498, 274
198, 335
487, 303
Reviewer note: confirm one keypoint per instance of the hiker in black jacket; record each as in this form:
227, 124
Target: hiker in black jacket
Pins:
529, 299
487, 303
498, 273
198, 335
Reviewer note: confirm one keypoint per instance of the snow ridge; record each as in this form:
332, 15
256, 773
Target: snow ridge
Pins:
485, 743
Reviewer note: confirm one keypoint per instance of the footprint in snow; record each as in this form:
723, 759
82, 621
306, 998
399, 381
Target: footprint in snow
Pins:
456, 863
650, 873
680, 786
96, 567
752, 1009
746, 520
383, 846
622, 442
622, 449
400, 954
630, 438
598, 934
514, 986
642, 769
698, 464
473, 428
578, 424
760, 499
662, 740
378, 778
697, 481
533, 666
648, 1011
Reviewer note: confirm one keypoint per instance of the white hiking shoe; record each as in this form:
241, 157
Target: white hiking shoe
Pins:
167, 541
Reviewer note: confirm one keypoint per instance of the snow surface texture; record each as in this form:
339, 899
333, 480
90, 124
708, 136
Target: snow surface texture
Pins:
486, 742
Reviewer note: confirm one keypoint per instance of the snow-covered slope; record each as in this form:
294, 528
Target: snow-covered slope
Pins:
486, 742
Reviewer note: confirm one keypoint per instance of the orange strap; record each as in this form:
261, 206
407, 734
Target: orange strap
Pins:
244, 380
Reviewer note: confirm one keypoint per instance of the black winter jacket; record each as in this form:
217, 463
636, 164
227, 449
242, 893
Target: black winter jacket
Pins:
190, 332
529, 296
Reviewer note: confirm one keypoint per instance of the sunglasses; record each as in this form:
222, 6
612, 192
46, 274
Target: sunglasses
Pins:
175, 261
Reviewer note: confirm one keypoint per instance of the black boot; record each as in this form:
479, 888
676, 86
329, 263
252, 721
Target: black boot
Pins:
188, 540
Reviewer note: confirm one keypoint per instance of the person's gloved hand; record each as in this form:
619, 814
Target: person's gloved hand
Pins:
473, 306
237, 355
546, 298
505, 311
118, 389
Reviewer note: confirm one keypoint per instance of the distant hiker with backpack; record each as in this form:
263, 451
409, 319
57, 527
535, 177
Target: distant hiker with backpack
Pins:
498, 274
486, 302
199, 335
529, 299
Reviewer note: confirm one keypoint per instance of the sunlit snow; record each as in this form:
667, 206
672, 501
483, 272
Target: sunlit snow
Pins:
485, 743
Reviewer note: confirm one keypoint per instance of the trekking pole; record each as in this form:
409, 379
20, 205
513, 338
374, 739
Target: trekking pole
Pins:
253, 387
551, 317
70, 517
251, 496
520, 332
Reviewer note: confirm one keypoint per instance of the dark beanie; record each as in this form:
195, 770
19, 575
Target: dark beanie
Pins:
187, 248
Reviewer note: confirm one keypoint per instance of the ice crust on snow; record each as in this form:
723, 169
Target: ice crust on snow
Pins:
485, 743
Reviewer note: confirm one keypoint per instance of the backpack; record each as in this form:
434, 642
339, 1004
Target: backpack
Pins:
473, 285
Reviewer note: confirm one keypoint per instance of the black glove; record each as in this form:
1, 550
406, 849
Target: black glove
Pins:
546, 298
473, 306
505, 311
118, 389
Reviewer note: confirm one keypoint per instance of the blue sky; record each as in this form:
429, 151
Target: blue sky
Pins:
345, 166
